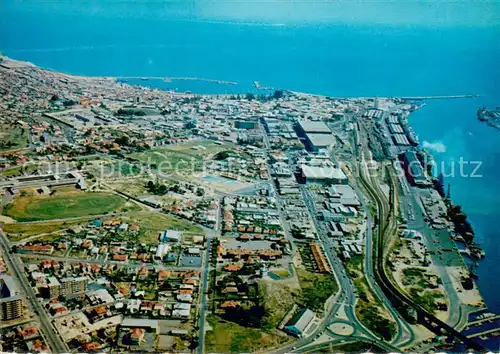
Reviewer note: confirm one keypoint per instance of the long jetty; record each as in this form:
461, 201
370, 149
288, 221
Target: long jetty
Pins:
170, 79
444, 97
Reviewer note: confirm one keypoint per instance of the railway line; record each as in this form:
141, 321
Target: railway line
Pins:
386, 225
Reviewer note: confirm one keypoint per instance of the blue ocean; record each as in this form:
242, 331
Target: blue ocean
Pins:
327, 56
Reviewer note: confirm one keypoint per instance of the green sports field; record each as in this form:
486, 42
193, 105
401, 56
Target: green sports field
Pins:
66, 205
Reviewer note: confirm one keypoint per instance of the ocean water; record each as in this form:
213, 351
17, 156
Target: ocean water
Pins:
341, 59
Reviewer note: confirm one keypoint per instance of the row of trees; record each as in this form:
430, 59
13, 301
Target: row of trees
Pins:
157, 188
130, 112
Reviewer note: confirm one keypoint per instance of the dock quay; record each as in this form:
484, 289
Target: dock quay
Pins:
259, 87
421, 98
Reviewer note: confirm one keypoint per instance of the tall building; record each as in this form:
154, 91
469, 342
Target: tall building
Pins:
53, 287
11, 303
73, 285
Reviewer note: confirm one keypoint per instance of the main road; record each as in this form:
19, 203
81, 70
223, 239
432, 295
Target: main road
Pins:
51, 336
345, 298
204, 283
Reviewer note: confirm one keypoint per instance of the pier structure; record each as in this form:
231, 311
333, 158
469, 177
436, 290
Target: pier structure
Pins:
170, 79
265, 88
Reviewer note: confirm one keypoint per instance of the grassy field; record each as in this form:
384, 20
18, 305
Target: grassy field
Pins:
13, 138
33, 207
416, 277
279, 297
229, 337
17, 232
136, 186
182, 158
133, 186
316, 289
126, 169
427, 298
19, 170
114, 169
152, 223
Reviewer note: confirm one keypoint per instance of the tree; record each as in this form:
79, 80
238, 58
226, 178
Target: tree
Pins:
162, 189
68, 103
123, 140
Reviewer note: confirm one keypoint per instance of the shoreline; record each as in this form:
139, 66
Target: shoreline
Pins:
230, 83
115, 80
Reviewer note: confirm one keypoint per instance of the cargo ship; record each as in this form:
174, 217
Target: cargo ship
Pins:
489, 116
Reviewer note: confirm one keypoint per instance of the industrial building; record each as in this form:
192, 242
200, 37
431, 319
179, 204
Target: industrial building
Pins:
170, 236
246, 124
300, 322
316, 142
11, 303
322, 171
400, 139
312, 127
393, 120
343, 194
162, 251
316, 135
414, 171
396, 129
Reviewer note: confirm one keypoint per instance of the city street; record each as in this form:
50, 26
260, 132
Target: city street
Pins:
48, 330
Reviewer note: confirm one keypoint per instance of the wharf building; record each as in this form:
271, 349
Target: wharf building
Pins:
415, 172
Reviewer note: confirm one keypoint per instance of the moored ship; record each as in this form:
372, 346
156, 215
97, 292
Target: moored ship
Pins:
489, 116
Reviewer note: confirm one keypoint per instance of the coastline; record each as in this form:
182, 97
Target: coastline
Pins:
451, 132
115, 79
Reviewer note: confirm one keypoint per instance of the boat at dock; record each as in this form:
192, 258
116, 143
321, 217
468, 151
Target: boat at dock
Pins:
489, 116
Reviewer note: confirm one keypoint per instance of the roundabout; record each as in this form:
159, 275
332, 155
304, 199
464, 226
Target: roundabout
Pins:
341, 329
